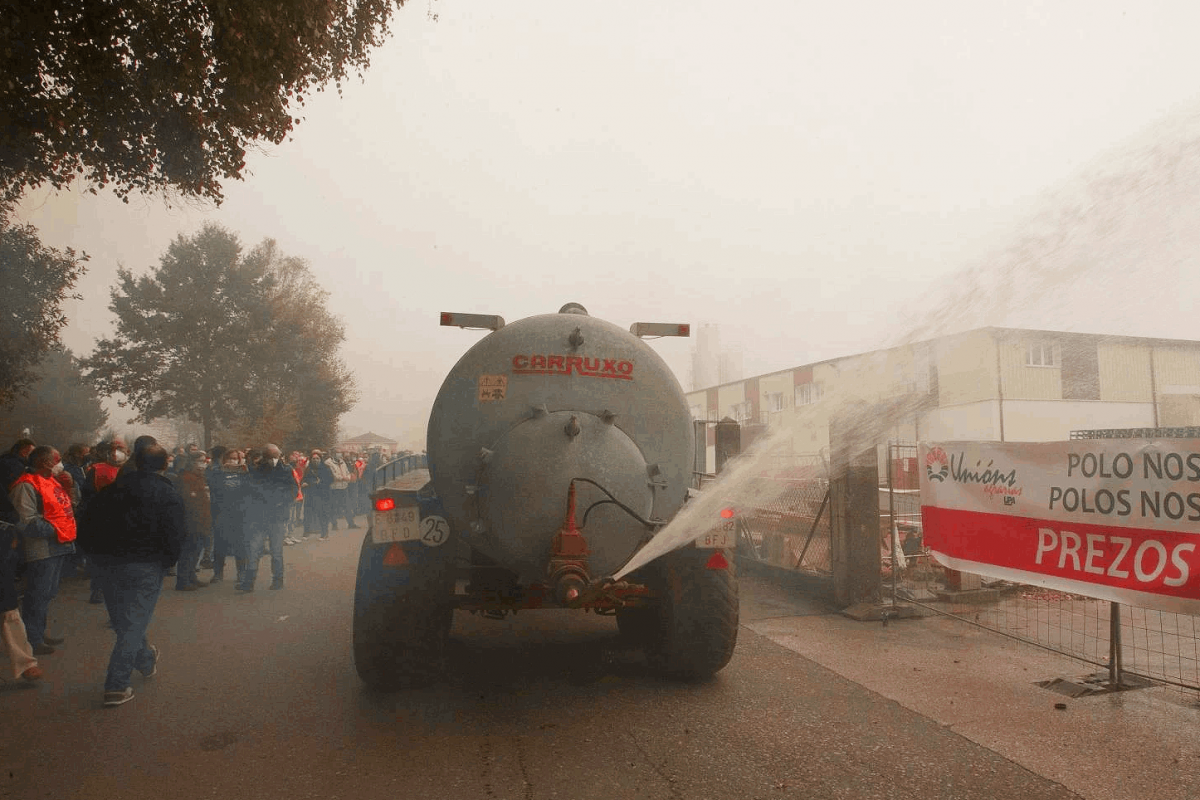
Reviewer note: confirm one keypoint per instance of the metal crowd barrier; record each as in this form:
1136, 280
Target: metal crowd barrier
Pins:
386, 473
1125, 641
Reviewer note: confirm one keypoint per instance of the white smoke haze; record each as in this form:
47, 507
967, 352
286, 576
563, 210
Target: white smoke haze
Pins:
1115, 250
799, 174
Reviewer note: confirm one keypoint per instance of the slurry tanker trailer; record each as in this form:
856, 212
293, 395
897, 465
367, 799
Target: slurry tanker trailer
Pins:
558, 446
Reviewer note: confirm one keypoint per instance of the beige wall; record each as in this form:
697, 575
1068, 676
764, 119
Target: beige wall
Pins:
1177, 373
780, 383
1177, 367
967, 422
966, 368
1053, 420
1124, 372
810, 427
1179, 410
875, 376
727, 397
1023, 382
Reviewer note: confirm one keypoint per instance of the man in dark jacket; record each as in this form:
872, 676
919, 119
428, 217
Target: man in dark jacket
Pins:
12, 628
274, 488
13, 465
133, 531
317, 480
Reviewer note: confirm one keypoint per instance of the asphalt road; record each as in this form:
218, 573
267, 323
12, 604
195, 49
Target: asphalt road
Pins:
257, 697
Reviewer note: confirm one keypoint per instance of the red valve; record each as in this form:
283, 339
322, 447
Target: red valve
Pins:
569, 542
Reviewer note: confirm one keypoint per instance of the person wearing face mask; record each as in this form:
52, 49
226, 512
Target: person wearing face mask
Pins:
198, 513
274, 488
316, 483
295, 511
229, 488
76, 465
47, 526
339, 492
112, 457
178, 462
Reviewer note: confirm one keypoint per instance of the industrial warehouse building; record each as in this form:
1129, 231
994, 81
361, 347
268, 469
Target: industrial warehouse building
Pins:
999, 384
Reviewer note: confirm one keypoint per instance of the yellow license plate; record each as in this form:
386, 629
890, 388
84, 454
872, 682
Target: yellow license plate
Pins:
399, 524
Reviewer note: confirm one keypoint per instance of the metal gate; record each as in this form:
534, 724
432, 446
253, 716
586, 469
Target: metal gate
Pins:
1124, 640
789, 529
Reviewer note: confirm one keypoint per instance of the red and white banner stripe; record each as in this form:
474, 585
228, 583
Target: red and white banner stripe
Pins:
1112, 519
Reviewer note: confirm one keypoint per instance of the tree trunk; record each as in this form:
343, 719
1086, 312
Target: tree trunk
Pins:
206, 421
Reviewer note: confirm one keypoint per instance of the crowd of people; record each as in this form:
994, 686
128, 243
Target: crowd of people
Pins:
131, 519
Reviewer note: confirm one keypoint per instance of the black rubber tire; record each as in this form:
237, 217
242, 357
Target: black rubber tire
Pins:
696, 616
402, 619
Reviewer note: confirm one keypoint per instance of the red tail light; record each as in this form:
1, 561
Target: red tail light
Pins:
726, 513
385, 504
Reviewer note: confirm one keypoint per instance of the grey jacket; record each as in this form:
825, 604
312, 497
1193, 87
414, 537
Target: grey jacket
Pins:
38, 535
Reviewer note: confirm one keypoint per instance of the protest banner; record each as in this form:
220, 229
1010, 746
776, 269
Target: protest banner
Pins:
1112, 519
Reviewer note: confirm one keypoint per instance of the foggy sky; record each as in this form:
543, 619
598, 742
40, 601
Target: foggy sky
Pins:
801, 173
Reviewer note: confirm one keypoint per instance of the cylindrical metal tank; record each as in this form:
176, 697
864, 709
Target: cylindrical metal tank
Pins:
545, 400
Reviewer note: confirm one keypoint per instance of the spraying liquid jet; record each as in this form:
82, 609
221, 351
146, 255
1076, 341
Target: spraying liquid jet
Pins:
737, 486
745, 485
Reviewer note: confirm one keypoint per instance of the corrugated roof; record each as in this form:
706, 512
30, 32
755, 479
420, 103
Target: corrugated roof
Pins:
369, 438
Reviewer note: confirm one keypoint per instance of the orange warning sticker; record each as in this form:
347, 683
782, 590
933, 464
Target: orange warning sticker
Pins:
492, 387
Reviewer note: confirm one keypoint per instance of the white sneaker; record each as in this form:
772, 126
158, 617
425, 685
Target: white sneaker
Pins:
154, 667
112, 699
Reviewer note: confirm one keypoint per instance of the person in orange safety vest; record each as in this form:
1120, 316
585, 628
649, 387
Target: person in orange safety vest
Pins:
47, 525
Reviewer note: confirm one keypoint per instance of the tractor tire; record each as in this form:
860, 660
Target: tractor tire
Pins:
402, 619
696, 615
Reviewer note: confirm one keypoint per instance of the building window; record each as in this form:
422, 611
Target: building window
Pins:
740, 411
1040, 354
775, 401
809, 393
696, 409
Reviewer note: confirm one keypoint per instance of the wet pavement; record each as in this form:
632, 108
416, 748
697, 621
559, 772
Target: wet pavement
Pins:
257, 698
1130, 745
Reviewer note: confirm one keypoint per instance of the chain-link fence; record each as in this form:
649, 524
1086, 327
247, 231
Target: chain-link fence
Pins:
1149, 644
791, 528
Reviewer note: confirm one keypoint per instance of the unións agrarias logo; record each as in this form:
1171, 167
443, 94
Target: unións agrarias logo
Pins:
937, 464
